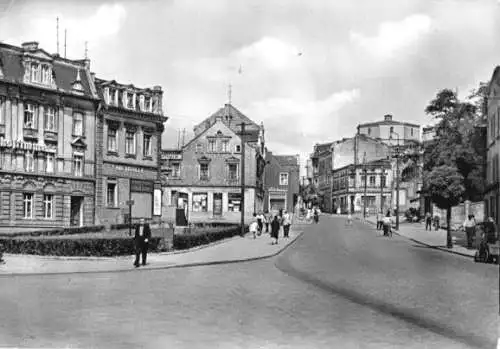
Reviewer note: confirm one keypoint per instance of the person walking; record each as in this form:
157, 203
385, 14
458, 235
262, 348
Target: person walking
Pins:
260, 223
267, 219
428, 221
287, 221
470, 229
254, 226
387, 224
437, 217
380, 220
316, 215
275, 230
141, 240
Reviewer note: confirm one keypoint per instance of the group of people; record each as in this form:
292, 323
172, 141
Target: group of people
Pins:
429, 220
385, 223
275, 222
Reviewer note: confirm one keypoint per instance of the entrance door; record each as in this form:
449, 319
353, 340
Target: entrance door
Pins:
76, 213
217, 204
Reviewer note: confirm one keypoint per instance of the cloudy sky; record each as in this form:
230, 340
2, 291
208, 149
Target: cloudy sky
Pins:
310, 70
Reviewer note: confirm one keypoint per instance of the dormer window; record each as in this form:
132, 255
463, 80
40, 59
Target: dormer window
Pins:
46, 74
106, 95
35, 72
130, 100
40, 73
141, 102
147, 103
29, 116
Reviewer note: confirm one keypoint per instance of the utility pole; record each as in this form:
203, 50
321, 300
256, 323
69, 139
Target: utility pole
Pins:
242, 170
397, 181
57, 28
382, 176
366, 178
65, 33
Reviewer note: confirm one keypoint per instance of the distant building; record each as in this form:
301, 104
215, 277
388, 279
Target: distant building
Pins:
204, 176
321, 160
129, 131
388, 130
491, 198
281, 182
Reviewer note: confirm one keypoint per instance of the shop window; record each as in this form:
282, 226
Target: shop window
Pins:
29, 161
48, 204
78, 124
49, 163
130, 142
28, 205
29, 115
147, 146
204, 172
111, 194
50, 119
232, 172
200, 202
283, 178
176, 170
111, 141
372, 181
78, 165
211, 145
234, 202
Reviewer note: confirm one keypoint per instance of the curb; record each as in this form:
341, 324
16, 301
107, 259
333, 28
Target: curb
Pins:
425, 244
174, 266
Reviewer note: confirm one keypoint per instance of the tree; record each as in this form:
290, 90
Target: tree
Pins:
446, 189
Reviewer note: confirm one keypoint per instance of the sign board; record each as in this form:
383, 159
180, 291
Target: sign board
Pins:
8, 143
129, 202
157, 202
138, 186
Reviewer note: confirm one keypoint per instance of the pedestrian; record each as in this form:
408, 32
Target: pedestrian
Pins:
437, 217
275, 230
287, 221
254, 226
428, 221
260, 223
470, 229
267, 219
387, 223
2, 261
349, 219
490, 231
141, 240
380, 219
316, 215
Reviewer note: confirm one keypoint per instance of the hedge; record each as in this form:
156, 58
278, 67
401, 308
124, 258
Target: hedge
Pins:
77, 247
56, 231
185, 241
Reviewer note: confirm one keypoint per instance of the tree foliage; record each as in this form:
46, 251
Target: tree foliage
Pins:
445, 185
460, 138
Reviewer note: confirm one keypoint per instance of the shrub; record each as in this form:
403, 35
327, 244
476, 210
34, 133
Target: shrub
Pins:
56, 231
107, 247
185, 241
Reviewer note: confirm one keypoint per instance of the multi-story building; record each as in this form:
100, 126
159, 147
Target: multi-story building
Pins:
128, 132
47, 139
491, 198
281, 182
321, 160
204, 177
388, 131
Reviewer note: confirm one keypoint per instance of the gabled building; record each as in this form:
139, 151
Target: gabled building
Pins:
128, 132
281, 182
47, 139
321, 161
204, 178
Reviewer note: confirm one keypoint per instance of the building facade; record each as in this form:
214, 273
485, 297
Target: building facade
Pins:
491, 198
321, 160
47, 140
204, 177
128, 132
281, 182
407, 132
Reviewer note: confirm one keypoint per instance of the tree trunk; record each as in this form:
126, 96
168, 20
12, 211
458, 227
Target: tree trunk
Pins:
449, 243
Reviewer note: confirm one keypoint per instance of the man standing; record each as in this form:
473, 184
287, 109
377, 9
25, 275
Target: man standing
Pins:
141, 239
286, 223
470, 229
428, 221
380, 218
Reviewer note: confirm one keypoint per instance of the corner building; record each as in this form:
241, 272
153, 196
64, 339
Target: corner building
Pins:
129, 129
47, 144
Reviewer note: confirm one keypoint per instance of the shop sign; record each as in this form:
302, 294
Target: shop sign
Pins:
126, 168
8, 143
157, 202
141, 186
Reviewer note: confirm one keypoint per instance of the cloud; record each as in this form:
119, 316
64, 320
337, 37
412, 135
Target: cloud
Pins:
392, 37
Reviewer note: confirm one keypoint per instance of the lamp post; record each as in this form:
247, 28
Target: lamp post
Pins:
242, 175
397, 179
364, 197
382, 184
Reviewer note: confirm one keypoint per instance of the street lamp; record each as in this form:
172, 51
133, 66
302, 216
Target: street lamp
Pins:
397, 178
382, 185
364, 197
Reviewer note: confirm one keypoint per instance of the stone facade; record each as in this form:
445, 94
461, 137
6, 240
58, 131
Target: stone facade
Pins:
381, 130
281, 181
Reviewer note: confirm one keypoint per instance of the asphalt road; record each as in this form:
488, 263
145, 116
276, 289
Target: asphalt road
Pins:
336, 287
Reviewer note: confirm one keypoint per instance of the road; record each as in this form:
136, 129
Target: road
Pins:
336, 287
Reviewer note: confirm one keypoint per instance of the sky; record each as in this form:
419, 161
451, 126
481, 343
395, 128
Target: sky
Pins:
311, 71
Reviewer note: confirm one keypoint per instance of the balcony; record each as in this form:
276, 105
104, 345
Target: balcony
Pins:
2, 130
30, 133
50, 136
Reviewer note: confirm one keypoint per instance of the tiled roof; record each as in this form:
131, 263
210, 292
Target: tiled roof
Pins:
65, 71
286, 160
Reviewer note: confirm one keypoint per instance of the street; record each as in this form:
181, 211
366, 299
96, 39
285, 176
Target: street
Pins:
336, 287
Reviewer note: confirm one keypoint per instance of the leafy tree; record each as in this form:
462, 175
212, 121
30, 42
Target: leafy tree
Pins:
446, 189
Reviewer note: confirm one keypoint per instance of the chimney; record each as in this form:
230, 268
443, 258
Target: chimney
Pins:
30, 46
157, 88
86, 62
388, 117
92, 76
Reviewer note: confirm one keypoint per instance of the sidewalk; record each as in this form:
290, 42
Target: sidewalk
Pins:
434, 239
235, 249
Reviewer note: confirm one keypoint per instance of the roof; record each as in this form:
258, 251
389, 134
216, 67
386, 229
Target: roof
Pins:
387, 122
65, 71
495, 77
286, 160
373, 163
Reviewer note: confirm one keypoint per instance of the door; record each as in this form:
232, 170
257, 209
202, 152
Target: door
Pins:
76, 214
217, 204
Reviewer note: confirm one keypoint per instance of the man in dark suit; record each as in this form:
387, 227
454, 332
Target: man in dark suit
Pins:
141, 239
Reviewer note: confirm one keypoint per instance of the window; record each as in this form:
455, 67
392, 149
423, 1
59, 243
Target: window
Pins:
199, 148
200, 202
391, 130
234, 202
176, 170
111, 140
2, 113
111, 197
49, 163
225, 146
130, 100
383, 181
46, 75
204, 172
238, 149
369, 131
411, 132
130, 142
147, 149
113, 96
28, 205
141, 102
147, 103
78, 124
283, 178
232, 172
35, 72
78, 165
29, 162
48, 200
29, 115
372, 181
211, 145
50, 119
